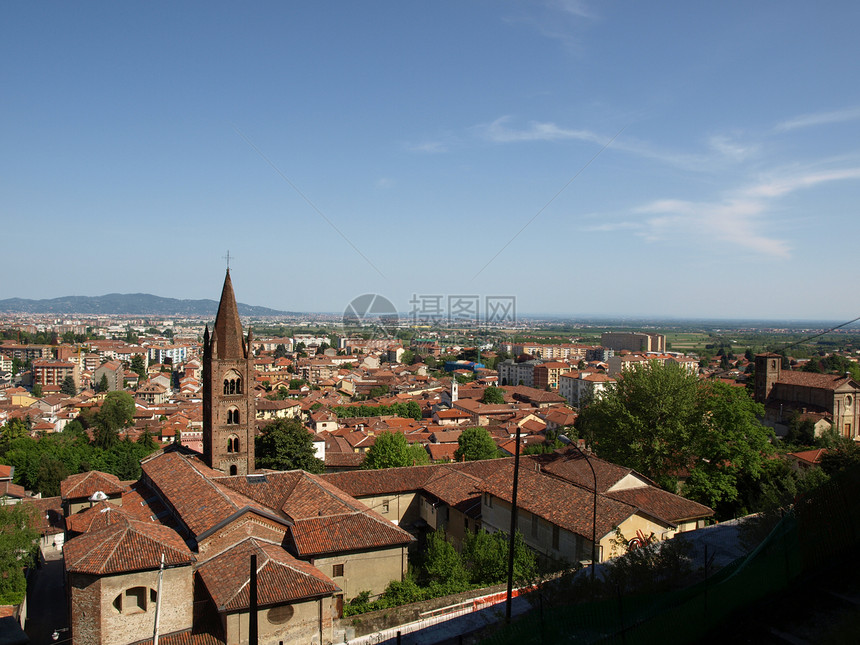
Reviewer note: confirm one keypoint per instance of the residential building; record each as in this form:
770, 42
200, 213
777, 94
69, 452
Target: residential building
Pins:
546, 375
113, 372
580, 387
55, 372
514, 373
634, 341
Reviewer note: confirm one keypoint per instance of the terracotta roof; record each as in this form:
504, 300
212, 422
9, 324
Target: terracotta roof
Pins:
281, 578
442, 451
810, 457
346, 532
343, 459
378, 482
662, 504
818, 381
455, 487
196, 500
195, 636
572, 466
97, 517
85, 484
540, 495
125, 546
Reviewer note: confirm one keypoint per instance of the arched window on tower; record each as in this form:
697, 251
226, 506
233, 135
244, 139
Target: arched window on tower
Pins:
232, 443
232, 383
234, 470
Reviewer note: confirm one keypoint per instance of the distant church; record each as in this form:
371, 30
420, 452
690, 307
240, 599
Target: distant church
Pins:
229, 407
783, 392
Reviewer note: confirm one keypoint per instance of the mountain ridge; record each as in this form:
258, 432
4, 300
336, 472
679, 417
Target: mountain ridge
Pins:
127, 303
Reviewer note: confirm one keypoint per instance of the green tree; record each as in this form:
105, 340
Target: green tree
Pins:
18, 541
731, 446
68, 387
443, 568
659, 419
391, 450
148, 442
285, 444
377, 391
486, 557
493, 395
50, 473
116, 412
800, 431
37, 390
280, 351
475, 444
646, 421
103, 385
138, 365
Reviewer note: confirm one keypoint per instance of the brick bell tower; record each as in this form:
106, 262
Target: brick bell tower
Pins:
229, 408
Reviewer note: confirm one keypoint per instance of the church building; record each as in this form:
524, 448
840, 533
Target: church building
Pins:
170, 554
784, 392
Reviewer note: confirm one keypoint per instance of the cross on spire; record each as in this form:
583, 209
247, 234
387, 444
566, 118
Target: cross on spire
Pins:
227, 257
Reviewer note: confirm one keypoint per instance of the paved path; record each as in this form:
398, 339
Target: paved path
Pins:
442, 630
46, 609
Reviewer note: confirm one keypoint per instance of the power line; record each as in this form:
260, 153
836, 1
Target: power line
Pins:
813, 337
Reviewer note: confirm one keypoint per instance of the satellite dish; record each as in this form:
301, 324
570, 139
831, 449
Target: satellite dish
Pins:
98, 496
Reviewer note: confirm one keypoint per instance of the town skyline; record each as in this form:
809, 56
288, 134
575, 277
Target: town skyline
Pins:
587, 159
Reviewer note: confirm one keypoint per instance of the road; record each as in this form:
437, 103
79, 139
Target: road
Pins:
46, 609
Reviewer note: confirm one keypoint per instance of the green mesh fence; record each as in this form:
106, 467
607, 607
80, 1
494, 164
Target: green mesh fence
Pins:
817, 529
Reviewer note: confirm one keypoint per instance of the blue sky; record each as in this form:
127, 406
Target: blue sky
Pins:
612, 158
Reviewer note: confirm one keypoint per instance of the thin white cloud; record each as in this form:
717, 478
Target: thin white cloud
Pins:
740, 219
576, 8
731, 149
820, 118
734, 221
384, 182
428, 147
499, 132
783, 185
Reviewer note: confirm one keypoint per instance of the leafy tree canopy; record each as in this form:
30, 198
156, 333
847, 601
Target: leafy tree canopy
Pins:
660, 420
17, 546
285, 444
408, 410
493, 395
475, 444
391, 450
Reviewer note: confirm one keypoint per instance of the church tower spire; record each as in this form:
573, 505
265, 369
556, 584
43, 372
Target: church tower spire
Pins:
229, 408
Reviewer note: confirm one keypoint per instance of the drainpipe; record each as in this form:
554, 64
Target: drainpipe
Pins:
158, 601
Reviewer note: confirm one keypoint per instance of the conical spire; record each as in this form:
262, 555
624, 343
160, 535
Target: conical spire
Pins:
227, 341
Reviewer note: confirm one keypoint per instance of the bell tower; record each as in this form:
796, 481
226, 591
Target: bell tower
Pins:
229, 408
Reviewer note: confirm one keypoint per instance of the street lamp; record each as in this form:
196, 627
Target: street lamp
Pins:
593, 515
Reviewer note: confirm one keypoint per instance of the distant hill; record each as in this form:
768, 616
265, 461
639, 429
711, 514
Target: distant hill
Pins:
135, 304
